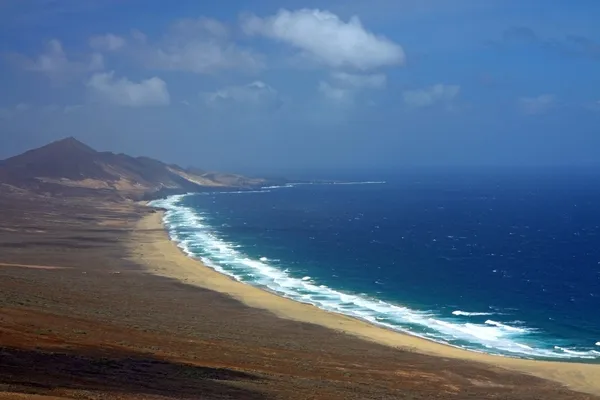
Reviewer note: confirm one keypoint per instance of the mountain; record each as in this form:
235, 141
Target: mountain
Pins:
70, 168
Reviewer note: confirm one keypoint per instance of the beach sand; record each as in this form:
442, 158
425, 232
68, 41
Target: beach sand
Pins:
151, 246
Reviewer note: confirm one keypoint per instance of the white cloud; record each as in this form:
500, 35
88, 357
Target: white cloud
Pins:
96, 62
431, 95
336, 94
123, 92
199, 46
256, 94
374, 81
108, 42
53, 59
55, 63
343, 88
536, 105
326, 38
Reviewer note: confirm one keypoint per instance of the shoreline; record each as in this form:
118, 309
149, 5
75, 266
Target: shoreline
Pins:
159, 255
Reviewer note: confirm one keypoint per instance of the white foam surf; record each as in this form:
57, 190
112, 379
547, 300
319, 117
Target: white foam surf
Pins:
579, 353
470, 314
506, 327
261, 190
360, 183
192, 232
291, 185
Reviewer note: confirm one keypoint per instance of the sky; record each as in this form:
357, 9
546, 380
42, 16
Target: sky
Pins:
290, 85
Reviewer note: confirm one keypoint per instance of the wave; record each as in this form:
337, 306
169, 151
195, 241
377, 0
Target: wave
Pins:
360, 183
261, 190
470, 314
506, 327
194, 235
579, 353
291, 185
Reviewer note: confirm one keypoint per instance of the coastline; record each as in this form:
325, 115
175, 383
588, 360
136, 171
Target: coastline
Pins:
151, 247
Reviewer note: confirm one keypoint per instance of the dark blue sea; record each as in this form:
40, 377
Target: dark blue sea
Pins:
502, 262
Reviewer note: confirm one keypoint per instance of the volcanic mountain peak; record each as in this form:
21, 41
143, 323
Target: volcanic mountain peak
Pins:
70, 167
68, 147
70, 144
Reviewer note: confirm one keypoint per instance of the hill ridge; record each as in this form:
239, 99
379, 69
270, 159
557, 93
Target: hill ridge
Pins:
69, 167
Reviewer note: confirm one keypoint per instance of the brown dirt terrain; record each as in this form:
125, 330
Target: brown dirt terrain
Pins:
77, 320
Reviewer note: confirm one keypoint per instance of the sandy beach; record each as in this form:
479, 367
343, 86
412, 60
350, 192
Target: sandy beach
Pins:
151, 246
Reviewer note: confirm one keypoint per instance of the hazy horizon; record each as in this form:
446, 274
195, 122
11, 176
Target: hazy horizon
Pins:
287, 86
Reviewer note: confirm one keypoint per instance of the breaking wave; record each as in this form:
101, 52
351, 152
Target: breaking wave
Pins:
470, 314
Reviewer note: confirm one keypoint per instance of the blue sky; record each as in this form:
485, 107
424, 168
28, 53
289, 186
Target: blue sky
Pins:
291, 85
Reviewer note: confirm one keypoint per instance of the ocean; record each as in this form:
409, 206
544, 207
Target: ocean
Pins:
501, 262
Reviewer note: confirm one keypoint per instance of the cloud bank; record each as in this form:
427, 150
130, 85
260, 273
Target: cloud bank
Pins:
54, 63
108, 42
256, 94
199, 46
123, 92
